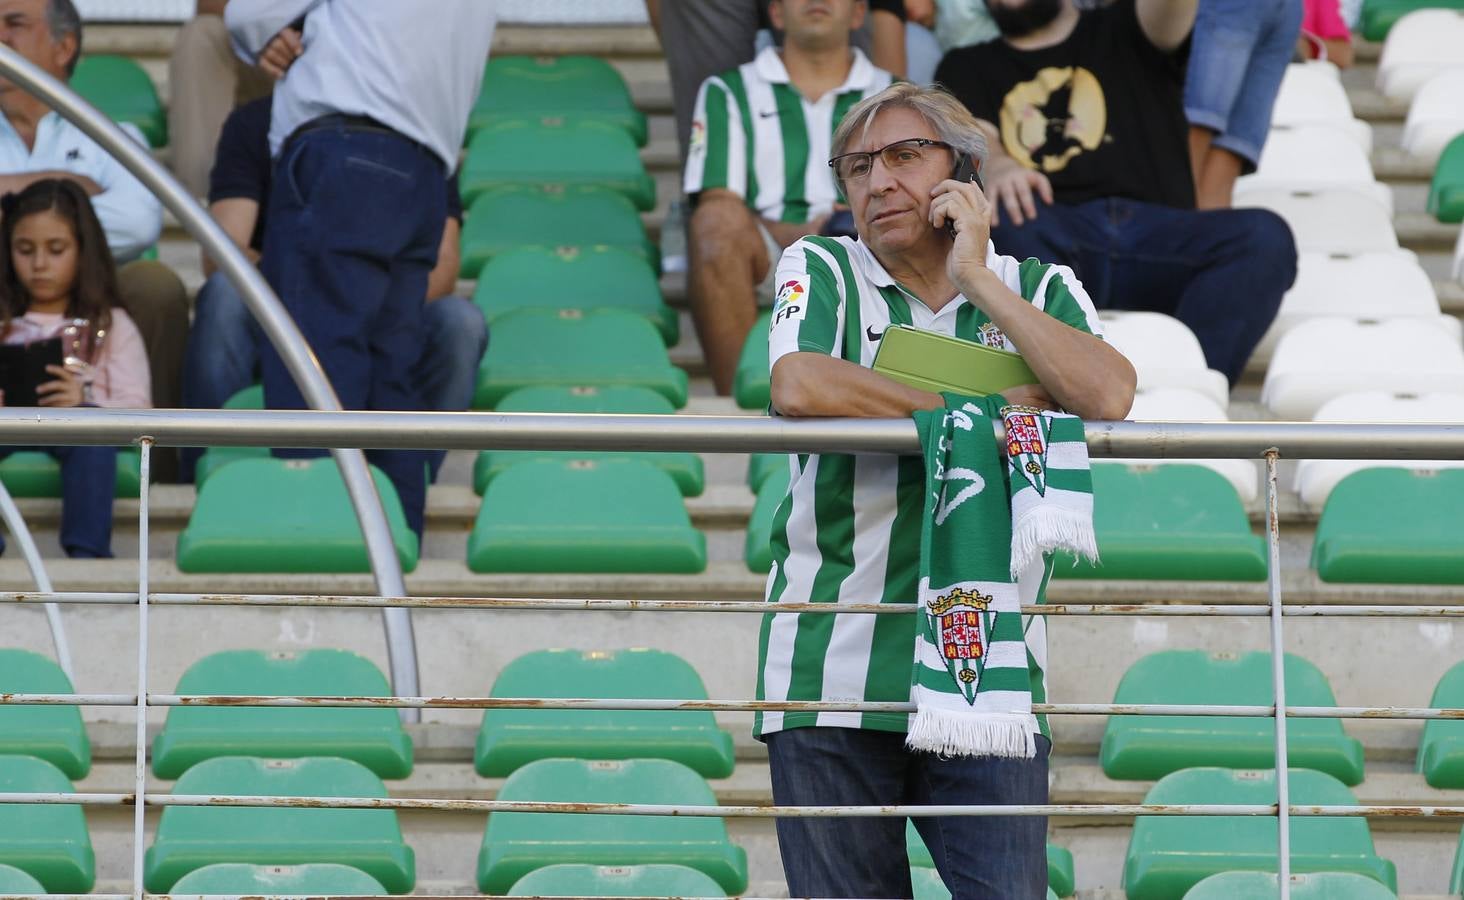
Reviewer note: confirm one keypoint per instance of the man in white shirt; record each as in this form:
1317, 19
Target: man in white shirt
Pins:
370, 109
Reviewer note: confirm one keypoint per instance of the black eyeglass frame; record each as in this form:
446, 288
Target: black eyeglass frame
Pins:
919, 142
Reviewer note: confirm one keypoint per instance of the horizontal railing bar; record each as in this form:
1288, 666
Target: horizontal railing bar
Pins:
663, 704
710, 434
733, 812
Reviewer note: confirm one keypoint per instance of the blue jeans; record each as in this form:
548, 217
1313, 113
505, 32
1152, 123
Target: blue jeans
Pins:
223, 355
977, 856
88, 481
353, 232
1238, 53
1221, 272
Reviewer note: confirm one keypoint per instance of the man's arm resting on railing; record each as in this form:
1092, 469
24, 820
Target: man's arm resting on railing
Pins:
816, 384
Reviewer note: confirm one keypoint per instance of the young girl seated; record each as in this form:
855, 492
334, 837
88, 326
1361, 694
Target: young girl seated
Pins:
57, 278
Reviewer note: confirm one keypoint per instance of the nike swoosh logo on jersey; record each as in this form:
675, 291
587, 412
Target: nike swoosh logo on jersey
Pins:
873, 335
767, 114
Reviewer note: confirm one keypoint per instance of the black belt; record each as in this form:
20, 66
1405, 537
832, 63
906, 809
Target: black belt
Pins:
350, 123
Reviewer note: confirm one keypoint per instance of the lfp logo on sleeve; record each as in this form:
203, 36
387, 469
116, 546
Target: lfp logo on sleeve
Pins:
790, 304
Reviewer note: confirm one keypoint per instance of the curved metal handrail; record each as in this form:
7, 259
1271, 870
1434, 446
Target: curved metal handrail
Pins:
20, 531
277, 325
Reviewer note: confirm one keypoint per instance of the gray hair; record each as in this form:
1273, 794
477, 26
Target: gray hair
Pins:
62, 19
948, 118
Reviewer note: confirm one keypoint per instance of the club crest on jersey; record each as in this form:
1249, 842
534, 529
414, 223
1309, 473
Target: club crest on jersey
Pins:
791, 303
962, 622
1026, 431
991, 336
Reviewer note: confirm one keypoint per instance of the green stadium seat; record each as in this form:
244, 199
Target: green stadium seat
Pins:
53, 733
1378, 16
1168, 855
551, 217
215, 458
1456, 880
312, 879
513, 738
566, 347
284, 515
761, 465
1441, 751
575, 88
119, 87
515, 844
578, 516
1150, 747
1312, 886
17, 881
576, 880
191, 837
751, 383
48, 842
31, 473
1446, 192
757, 551
539, 151
685, 469
1392, 526
1173, 521
373, 737
574, 278
928, 885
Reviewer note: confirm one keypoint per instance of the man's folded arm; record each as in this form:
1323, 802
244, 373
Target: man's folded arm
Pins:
254, 23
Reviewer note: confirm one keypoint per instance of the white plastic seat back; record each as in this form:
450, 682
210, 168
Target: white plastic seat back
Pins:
1312, 94
1164, 352
1329, 221
1436, 116
1184, 405
1315, 478
1314, 157
1421, 45
1324, 358
1458, 268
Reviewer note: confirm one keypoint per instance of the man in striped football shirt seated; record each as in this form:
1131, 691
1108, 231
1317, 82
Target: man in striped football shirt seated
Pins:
849, 529
756, 166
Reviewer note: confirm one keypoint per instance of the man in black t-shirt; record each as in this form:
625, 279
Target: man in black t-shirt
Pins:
223, 347
1084, 113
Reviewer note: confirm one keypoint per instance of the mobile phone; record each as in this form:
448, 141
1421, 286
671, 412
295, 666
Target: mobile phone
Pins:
965, 171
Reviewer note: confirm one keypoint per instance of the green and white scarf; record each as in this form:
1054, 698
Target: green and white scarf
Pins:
970, 682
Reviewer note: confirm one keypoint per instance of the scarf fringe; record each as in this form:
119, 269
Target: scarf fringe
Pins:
1051, 527
964, 733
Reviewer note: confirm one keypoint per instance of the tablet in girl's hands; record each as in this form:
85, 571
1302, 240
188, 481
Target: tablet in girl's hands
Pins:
23, 369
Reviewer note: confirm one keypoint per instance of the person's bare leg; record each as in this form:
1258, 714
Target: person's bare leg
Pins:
1217, 179
728, 260
1199, 149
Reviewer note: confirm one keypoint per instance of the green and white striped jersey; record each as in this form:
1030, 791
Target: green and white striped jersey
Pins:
849, 529
753, 134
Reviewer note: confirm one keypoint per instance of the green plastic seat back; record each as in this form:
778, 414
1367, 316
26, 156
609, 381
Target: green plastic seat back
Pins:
512, 738
762, 465
576, 88
18, 881
1446, 191
577, 880
551, 217
604, 347
1441, 751
190, 837
558, 151
1168, 855
33, 473
48, 842
686, 469
1307, 886
515, 844
1149, 747
214, 458
1059, 868
574, 278
1395, 526
581, 516
1456, 879
284, 515
313, 879
1169, 522
751, 382
758, 550
53, 733
373, 737
119, 87
1379, 16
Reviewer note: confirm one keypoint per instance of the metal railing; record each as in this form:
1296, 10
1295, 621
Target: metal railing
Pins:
709, 434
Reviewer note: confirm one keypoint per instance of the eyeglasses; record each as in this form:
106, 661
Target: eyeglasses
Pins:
907, 155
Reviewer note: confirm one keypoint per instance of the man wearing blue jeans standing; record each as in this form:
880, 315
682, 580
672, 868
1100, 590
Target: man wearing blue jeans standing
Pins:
368, 117
223, 351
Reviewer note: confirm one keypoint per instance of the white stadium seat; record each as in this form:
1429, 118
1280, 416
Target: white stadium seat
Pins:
1165, 353
1329, 221
1312, 94
1183, 405
1421, 45
1436, 116
1324, 358
1459, 258
1315, 478
1361, 286
1313, 157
